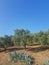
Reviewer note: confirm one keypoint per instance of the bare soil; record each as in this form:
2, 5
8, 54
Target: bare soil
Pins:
39, 54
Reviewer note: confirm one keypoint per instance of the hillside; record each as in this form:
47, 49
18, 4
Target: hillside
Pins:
40, 55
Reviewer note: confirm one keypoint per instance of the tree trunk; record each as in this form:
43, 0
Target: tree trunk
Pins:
5, 49
25, 46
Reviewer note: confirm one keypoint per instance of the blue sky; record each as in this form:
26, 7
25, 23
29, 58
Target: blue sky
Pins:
27, 14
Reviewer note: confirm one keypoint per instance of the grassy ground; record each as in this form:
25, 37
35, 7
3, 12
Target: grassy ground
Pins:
40, 55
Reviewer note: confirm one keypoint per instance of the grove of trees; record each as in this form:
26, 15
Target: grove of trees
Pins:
23, 37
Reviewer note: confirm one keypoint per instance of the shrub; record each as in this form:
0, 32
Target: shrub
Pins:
22, 57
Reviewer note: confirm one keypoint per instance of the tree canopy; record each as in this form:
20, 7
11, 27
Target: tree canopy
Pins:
24, 37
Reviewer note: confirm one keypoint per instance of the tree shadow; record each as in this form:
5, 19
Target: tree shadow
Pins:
33, 49
38, 49
1, 50
12, 49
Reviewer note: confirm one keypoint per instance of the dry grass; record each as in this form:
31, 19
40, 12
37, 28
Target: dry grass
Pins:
39, 54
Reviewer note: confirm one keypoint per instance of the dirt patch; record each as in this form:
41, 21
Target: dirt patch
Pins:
39, 54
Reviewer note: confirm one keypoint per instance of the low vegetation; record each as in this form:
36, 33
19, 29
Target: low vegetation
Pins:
15, 57
18, 58
23, 37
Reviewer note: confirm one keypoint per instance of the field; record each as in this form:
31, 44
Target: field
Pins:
39, 54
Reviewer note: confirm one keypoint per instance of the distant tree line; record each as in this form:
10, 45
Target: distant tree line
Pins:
23, 37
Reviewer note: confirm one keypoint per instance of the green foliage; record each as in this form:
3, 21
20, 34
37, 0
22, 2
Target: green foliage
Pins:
22, 57
5, 41
23, 37
42, 38
48, 39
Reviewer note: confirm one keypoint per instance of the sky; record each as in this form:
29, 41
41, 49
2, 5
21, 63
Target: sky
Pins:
23, 14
